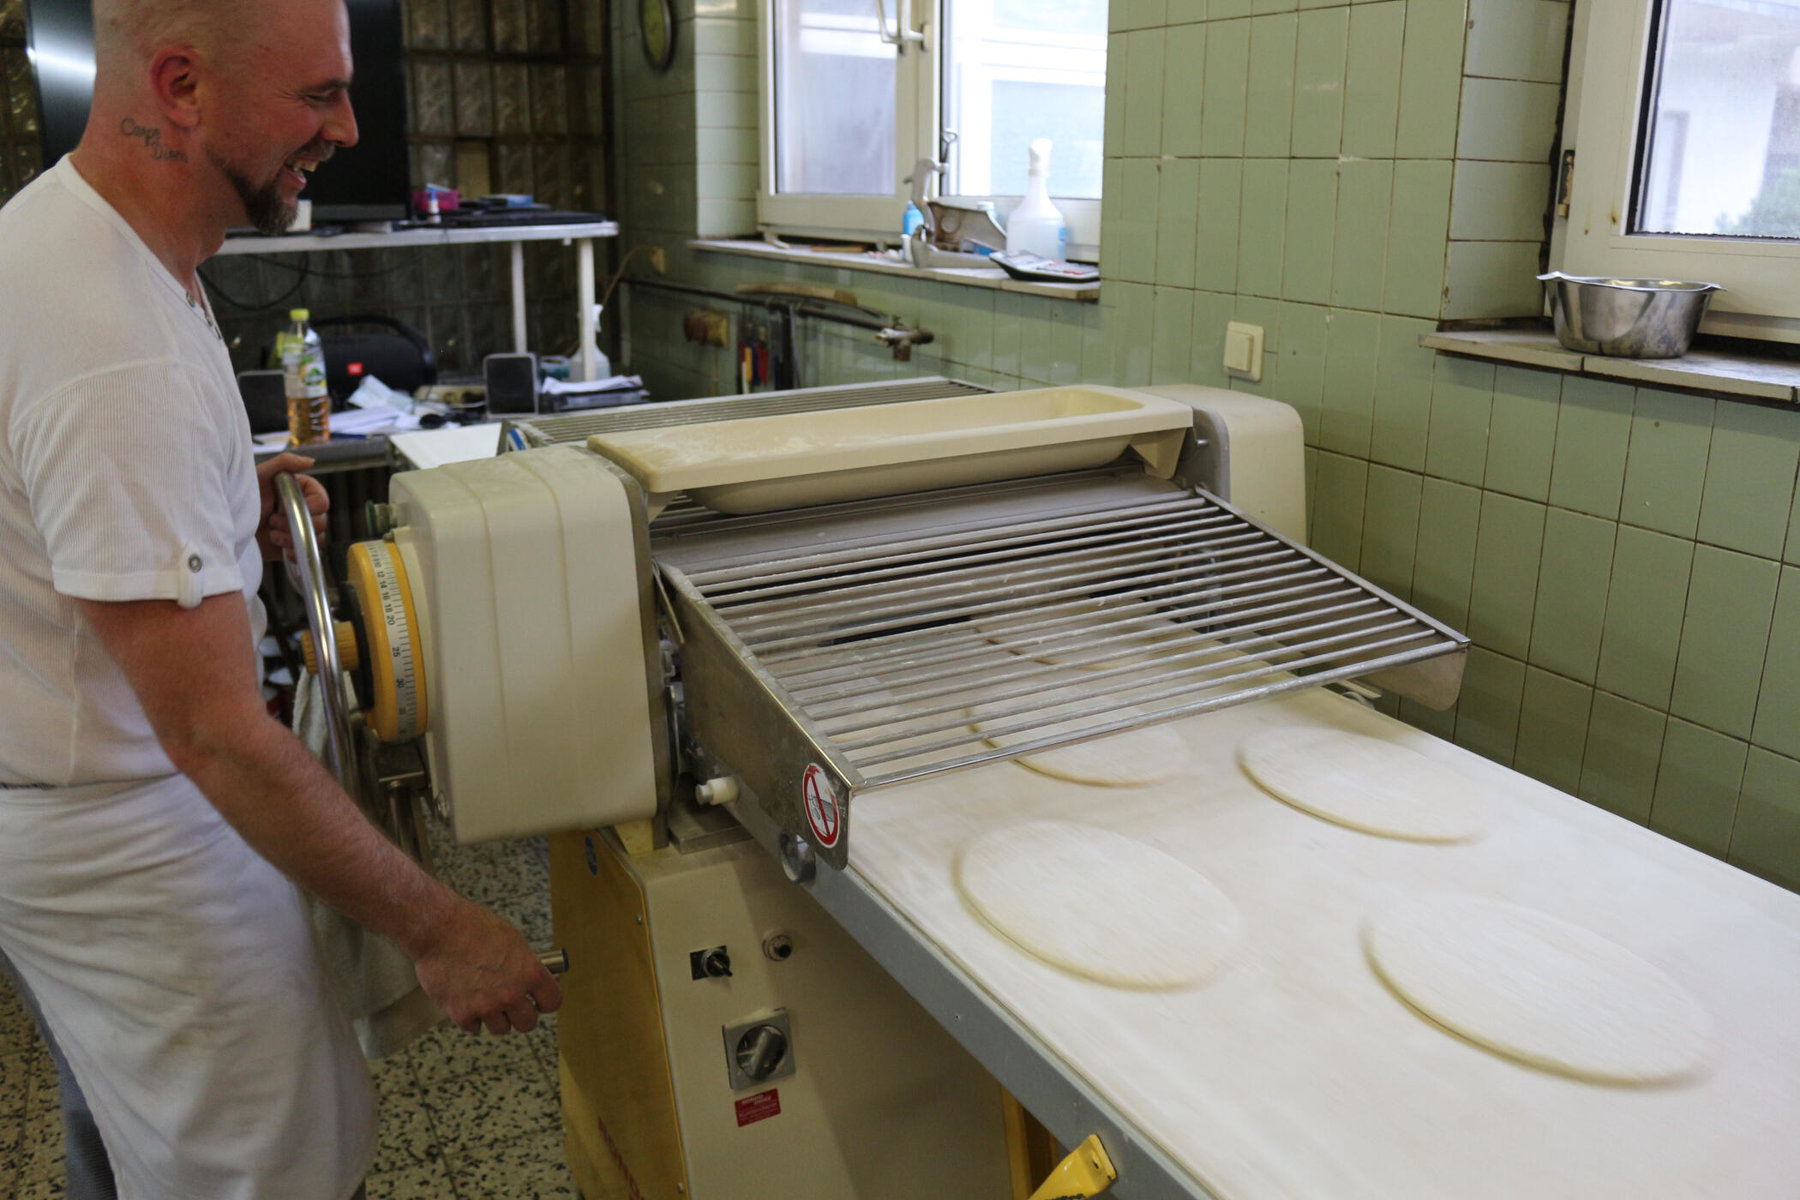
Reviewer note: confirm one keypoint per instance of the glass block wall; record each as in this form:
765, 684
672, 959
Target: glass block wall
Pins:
505, 96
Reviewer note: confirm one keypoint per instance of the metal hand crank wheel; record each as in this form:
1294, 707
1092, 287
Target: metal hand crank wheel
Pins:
307, 570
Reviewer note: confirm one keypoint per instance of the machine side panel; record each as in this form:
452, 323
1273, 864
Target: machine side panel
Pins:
617, 1099
540, 698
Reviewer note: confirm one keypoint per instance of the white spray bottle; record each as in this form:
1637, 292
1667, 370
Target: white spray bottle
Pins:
1035, 227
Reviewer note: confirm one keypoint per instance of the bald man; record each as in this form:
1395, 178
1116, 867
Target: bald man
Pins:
154, 820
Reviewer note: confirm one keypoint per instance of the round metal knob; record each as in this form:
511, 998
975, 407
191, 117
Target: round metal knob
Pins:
760, 1051
778, 947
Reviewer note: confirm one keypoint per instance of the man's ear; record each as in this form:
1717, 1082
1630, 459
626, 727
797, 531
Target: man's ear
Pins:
175, 82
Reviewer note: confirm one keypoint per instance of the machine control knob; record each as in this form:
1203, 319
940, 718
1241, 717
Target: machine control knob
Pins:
348, 658
778, 947
722, 790
710, 964
760, 1052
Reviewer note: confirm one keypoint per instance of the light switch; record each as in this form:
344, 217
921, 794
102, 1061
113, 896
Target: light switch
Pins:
1244, 351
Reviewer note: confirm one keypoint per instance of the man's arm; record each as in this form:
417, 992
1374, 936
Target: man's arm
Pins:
192, 671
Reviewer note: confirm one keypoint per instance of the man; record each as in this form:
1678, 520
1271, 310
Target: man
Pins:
153, 818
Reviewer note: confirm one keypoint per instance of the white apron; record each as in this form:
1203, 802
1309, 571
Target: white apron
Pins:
176, 969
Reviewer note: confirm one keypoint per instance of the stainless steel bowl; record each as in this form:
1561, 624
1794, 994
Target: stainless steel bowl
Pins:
1628, 318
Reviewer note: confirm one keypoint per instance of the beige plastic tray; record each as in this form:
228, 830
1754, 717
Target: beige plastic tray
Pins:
797, 459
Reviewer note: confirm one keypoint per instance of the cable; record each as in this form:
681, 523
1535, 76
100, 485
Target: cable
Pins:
227, 297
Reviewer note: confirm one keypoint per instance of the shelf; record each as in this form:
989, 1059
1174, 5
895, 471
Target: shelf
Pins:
992, 278
406, 238
1735, 376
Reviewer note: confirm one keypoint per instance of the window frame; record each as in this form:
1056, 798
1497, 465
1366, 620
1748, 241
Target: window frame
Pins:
1605, 107
919, 121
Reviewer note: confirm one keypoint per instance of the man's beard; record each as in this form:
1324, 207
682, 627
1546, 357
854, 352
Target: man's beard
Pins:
265, 206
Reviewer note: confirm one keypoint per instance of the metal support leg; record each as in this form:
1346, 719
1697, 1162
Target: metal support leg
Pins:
587, 316
518, 297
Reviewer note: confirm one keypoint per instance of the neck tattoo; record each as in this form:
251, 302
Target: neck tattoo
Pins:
152, 139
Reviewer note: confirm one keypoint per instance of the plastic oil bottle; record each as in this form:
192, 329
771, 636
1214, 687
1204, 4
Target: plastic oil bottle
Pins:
1035, 227
303, 365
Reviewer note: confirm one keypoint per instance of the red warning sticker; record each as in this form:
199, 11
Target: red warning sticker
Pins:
759, 1107
821, 805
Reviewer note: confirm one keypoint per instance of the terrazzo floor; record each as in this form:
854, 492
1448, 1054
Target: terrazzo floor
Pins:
461, 1117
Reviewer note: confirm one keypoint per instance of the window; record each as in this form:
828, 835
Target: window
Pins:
857, 91
1684, 116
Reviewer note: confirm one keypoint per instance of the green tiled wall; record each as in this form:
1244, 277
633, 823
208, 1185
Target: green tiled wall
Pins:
1346, 175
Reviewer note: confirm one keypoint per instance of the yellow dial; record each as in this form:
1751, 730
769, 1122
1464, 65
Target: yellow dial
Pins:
397, 709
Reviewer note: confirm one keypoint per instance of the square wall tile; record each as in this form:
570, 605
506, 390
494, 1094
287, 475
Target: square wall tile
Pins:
1522, 431
1391, 529
1184, 81
1304, 329
1140, 192
1624, 746
1500, 201
1491, 279
1320, 52
1174, 335
1553, 727
1666, 468
1116, 94
1750, 478
1131, 332
1518, 39
1403, 377
1270, 112
1572, 594
1418, 220
1221, 186
1311, 221
1184, 11
1262, 226
1697, 786
1645, 605
1359, 240
1778, 704
1462, 401
1507, 552
1348, 397
1338, 510
1593, 431
1177, 217
1487, 711
1009, 331
1724, 637
1431, 79
1143, 93
1206, 363
1508, 120
1437, 723
1372, 78
1225, 89
1765, 837
1449, 520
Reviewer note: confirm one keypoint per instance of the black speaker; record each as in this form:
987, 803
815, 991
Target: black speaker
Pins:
512, 383
265, 399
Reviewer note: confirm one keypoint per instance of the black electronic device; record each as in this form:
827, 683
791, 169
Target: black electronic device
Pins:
390, 350
265, 399
365, 182
1044, 270
512, 383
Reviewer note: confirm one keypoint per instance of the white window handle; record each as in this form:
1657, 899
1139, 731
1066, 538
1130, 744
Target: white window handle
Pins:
903, 30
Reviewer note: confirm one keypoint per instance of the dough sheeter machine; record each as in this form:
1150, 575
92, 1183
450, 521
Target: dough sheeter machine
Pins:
693, 641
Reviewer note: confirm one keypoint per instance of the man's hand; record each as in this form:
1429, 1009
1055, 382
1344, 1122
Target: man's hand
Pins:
480, 972
272, 533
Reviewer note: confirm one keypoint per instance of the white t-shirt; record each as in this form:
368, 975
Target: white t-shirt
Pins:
126, 473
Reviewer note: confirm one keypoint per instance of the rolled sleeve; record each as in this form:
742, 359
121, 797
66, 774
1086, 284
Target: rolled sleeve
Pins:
127, 487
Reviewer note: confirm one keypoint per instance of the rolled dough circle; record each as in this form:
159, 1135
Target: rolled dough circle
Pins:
1056, 633
1134, 758
1540, 991
1098, 904
1365, 783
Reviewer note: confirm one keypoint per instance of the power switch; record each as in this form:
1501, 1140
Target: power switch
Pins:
710, 964
1244, 351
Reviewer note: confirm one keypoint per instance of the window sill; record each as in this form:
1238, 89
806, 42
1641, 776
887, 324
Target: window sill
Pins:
992, 278
1717, 373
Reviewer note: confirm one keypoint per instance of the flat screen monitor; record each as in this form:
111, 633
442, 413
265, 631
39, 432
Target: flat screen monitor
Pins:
367, 182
